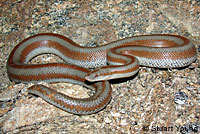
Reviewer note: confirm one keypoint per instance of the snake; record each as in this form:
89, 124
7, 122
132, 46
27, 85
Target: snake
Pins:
93, 67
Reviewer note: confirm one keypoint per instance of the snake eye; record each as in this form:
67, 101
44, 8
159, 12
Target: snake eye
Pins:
96, 75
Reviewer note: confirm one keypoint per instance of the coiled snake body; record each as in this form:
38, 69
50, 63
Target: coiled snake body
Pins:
118, 59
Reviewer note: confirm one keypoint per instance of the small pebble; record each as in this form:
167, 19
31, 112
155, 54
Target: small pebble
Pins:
107, 120
180, 98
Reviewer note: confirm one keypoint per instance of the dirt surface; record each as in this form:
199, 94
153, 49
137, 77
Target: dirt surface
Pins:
153, 101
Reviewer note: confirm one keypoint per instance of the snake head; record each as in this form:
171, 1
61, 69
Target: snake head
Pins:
95, 75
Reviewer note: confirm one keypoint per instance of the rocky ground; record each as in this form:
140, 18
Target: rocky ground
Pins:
153, 101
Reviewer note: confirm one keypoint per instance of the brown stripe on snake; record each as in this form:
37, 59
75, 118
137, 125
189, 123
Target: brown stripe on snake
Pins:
157, 55
154, 43
35, 66
43, 77
64, 50
123, 57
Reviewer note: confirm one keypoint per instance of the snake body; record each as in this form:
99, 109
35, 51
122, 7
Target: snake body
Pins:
118, 59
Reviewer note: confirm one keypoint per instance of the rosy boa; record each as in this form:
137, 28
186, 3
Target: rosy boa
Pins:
118, 59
